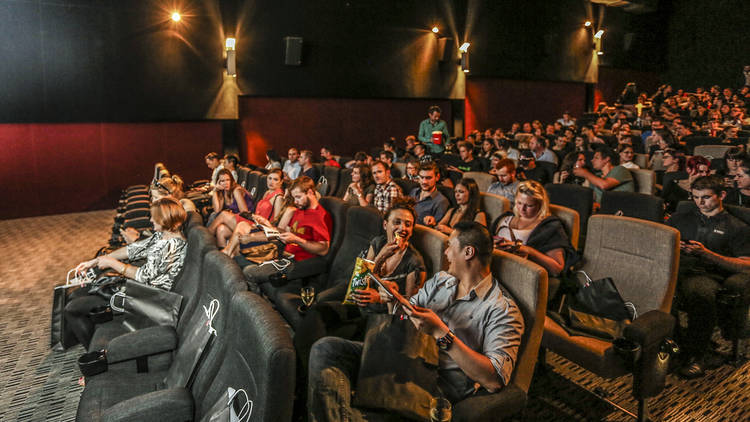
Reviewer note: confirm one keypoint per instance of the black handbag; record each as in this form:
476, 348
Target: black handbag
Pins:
61, 337
597, 309
193, 349
398, 370
140, 301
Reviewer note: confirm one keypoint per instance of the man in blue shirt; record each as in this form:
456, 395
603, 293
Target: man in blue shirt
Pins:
431, 204
433, 124
477, 328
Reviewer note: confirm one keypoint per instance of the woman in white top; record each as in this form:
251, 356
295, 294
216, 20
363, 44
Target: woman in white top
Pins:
626, 156
532, 231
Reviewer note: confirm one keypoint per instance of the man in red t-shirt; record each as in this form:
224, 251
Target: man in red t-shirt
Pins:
310, 227
309, 234
329, 158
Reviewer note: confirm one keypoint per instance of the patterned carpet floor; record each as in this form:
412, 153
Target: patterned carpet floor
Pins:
37, 384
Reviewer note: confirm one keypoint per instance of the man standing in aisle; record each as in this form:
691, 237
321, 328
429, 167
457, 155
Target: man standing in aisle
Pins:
433, 124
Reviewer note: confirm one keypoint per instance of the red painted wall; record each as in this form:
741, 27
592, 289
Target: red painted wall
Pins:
346, 125
612, 81
494, 102
58, 168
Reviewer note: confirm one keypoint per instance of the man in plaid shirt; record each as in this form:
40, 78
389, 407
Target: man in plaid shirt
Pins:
386, 190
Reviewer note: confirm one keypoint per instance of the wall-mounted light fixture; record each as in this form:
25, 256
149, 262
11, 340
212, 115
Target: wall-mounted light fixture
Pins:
599, 34
435, 29
464, 49
587, 24
231, 60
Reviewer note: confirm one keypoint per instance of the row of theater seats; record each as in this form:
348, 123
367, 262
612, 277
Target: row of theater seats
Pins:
150, 374
640, 256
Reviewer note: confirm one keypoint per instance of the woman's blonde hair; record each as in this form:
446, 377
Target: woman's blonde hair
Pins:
170, 186
535, 190
168, 213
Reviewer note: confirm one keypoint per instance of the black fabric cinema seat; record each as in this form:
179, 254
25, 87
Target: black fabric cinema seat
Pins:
255, 353
193, 220
345, 179
260, 359
362, 225
188, 284
332, 175
633, 204
223, 280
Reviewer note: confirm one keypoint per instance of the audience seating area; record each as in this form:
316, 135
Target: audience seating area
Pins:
152, 374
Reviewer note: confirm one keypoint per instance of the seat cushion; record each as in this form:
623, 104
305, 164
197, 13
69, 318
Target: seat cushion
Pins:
106, 332
598, 356
103, 392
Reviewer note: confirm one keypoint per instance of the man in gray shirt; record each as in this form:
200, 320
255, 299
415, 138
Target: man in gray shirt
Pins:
506, 184
477, 328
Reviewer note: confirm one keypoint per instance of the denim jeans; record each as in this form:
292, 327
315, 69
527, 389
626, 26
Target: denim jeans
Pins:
334, 365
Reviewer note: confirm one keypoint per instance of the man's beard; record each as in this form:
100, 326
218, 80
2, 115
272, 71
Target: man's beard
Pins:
305, 205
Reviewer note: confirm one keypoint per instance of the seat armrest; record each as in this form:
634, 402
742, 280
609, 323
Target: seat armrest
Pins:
145, 342
650, 328
170, 405
308, 268
487, 406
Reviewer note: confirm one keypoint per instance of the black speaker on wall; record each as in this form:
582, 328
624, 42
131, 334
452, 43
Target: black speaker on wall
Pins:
445, 49
293, 51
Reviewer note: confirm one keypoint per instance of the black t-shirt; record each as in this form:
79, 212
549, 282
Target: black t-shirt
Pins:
473, 165
723, 234
312, 173
411, 262
736, 197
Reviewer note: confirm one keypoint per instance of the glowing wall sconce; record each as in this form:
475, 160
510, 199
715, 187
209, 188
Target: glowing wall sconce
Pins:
464, 49
231, 60
435, 29
599, 34
587, 24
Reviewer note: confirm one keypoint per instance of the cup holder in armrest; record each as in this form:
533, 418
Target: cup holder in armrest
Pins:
93, 363
100, 314
628, 350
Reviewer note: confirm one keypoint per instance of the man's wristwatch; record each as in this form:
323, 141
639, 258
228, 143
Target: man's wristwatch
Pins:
445, 342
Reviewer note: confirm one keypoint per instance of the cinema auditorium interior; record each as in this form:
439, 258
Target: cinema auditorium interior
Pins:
359, 210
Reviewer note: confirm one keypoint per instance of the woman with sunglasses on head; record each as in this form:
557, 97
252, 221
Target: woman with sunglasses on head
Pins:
172, 186
467, 208
531, 230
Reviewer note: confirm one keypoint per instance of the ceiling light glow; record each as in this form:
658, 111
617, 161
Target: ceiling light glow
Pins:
176, 16
587, 24
599, 33
435, 29
464, 47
